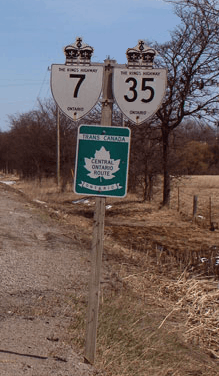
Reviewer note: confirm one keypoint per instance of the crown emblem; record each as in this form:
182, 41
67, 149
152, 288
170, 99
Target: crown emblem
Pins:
141, 55
78, 53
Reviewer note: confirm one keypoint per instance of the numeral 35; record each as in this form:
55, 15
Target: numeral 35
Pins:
144, 87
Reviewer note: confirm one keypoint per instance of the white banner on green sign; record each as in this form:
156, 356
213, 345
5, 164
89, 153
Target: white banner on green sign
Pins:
100, 137
100, 188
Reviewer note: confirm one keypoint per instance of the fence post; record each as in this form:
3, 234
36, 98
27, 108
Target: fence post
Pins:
178, 201
195, 206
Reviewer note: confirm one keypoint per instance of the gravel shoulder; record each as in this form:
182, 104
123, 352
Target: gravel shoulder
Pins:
41, 269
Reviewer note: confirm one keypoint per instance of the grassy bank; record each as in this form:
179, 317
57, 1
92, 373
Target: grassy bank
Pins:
159, 310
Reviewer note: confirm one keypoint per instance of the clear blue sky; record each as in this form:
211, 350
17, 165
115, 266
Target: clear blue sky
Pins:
33, 34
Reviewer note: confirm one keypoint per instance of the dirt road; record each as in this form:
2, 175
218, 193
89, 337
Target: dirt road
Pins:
42, 272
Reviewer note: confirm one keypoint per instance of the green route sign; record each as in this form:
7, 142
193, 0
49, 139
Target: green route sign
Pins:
102, 161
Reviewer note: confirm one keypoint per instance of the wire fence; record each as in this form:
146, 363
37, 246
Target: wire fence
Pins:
197, 201
200, 205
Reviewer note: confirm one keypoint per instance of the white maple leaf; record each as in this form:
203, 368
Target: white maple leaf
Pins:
102, 166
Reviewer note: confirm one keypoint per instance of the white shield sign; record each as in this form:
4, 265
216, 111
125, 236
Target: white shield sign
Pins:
76, 88
139, 92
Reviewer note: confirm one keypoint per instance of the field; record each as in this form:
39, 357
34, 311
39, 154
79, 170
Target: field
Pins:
159, 306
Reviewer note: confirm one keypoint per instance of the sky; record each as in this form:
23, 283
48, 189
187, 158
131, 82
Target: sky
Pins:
34, 33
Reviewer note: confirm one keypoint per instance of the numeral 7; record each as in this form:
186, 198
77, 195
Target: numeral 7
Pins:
77, 87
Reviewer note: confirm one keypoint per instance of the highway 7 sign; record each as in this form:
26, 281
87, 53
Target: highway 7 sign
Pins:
76, 88
139, 92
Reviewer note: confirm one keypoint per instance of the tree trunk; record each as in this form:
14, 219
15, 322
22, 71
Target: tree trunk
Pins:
145, 183
166, 176
151, 185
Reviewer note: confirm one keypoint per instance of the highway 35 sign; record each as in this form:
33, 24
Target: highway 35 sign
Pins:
139, 88
139, 92
102, 161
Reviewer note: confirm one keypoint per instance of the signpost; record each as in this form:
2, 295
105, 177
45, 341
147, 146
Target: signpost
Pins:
103, 151
76, 85
139, 92
76, 89
102, 161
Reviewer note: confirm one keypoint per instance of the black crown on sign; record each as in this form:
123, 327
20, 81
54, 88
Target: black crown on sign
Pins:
78, 53
141, 55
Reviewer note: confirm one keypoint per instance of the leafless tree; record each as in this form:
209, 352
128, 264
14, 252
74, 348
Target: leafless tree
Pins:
191, 60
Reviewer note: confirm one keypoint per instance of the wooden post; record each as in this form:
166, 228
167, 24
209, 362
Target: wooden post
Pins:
94, 288
195, 205
178, 201
58, 147
107, 98
210, 215
98, 230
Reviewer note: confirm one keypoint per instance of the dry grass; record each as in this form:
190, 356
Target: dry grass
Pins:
159, 310
200, 300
